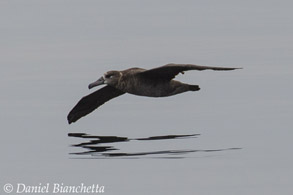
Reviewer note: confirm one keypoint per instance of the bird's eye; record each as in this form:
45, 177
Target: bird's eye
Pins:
108, 76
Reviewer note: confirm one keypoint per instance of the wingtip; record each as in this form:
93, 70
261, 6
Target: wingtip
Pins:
69, 119
232, 68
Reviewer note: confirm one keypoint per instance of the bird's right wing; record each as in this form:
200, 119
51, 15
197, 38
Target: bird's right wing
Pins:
92, 101
169, 71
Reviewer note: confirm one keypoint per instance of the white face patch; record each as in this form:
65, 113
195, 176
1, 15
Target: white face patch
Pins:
104, 78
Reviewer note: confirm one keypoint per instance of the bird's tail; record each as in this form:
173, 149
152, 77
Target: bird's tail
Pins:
193, 87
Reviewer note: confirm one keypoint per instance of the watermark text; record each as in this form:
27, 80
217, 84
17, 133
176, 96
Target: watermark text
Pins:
53, 188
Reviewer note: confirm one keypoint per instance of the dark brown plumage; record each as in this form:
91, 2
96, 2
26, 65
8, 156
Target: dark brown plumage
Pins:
156, 82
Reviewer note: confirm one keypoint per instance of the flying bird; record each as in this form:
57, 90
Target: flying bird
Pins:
156, 82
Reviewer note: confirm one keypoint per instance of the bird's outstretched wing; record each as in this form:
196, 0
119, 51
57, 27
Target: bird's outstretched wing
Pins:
92, 101
169, 71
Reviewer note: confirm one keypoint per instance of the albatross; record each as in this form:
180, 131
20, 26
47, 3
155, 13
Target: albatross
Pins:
156, 82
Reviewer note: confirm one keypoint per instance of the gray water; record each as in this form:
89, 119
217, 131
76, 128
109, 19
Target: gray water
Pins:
234, 136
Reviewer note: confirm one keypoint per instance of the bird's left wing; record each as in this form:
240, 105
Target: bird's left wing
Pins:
169, 71
92, 101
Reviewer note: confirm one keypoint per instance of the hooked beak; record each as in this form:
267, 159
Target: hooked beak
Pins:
100, 81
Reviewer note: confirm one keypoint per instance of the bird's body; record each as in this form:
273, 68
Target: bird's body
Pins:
157, 82
134, 83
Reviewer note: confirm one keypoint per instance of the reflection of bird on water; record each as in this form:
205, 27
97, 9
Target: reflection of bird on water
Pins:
95, 147
156, 82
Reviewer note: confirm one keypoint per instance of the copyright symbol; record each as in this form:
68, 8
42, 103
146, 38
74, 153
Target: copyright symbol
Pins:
8, 188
